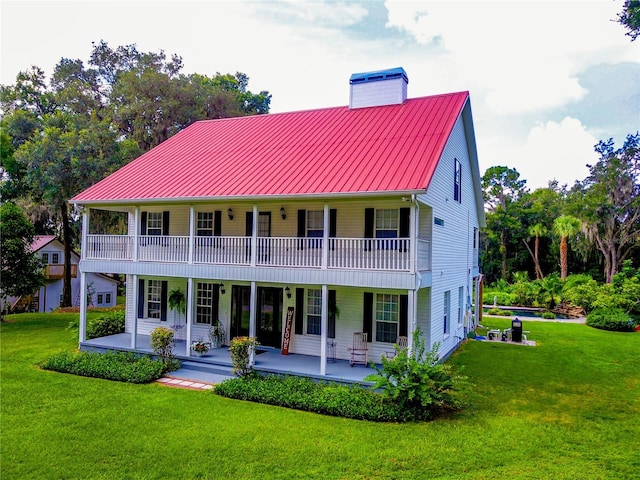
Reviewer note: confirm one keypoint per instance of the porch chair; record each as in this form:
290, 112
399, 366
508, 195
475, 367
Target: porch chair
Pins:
402, 342
359, 349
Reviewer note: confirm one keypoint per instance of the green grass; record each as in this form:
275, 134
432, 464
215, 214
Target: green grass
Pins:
567, 409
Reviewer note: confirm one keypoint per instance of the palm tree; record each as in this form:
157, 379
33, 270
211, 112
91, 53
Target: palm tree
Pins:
538, 230
565, 226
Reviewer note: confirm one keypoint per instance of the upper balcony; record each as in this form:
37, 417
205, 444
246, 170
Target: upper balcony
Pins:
394, 254
56, 271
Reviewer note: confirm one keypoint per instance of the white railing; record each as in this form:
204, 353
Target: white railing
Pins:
157, 248
222, 250
289, 252
344, 253
109, 247
370, 253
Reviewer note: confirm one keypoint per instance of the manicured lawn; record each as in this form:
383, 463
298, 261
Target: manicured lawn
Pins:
569, 408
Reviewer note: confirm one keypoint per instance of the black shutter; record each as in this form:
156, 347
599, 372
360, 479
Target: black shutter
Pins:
141, 297
248, 231
143, 224
333, 228
369, 219
165, 223
367, 315
163, 302
331, 327
460, 186
215, 303
404, 228
302, 227
404, 307
217, 223
299, 325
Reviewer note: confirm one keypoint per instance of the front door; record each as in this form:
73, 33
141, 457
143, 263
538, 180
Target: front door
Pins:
240, 311
269, 316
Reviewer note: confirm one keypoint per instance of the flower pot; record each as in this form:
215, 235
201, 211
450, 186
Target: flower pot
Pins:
198, 354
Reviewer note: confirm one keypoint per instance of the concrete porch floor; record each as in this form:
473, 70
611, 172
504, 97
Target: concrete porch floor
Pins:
217, 362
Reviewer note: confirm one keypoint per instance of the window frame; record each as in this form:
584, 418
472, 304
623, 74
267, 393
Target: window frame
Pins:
384, 318
207, 302
156, 219
446, 314
153, 297
313, 304
204, 231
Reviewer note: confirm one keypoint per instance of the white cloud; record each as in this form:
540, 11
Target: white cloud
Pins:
526, 56
551, 151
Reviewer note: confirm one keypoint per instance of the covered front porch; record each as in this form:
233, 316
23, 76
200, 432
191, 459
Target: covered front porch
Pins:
267, 360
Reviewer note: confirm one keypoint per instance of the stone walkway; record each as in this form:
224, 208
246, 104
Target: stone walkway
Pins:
183, 383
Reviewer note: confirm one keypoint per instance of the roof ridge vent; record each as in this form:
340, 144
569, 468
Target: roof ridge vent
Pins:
381, 87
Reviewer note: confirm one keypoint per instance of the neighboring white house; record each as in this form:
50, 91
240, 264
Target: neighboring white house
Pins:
101, 289
373, 208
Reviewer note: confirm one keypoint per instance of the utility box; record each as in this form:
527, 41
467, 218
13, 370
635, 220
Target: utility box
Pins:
516, 330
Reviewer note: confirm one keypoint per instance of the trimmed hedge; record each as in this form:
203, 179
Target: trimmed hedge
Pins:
119, 366
614, 319
327, 398
110, 323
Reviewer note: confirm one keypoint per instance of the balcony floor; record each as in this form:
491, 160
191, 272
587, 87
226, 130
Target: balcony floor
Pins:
268, 360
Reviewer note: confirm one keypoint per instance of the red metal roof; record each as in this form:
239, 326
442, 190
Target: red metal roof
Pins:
41, 241
339, 150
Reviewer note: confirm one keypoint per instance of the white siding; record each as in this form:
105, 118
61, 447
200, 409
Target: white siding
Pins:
452, 243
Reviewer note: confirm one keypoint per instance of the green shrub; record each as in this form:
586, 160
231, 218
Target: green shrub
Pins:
417, 382
614, 319
499, 312
548, 315
240, 350
119, 366
499, 298
162, 343
109, 323
304, 394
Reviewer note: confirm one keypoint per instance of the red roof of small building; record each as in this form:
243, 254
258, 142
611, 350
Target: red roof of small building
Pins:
41, 241
393, 148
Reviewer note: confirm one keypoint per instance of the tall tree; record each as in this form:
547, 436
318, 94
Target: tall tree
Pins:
502, 190
608, 202
538, 230
21, 269
565, 226
630, 18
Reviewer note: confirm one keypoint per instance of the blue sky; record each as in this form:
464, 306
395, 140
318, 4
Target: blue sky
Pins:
548, 79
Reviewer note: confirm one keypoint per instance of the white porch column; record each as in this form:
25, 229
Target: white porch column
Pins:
82, 334
192, 231
253, 306
136, 299
325, 237
136, 229
412, 317
82, 330
324, 325
414, 217
254, 237
190, 302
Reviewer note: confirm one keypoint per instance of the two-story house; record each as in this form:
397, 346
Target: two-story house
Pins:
362, 218
100, 289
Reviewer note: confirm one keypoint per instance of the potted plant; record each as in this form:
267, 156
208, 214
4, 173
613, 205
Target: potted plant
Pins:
217, 334
177, 301
200, 347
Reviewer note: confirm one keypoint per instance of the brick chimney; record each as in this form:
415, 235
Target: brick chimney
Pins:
374, 89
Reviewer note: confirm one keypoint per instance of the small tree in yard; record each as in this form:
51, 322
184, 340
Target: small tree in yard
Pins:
162, 344
21, 269
418, 382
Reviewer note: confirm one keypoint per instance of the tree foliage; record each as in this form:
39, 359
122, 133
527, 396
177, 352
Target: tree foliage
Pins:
630, 18
21, 268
